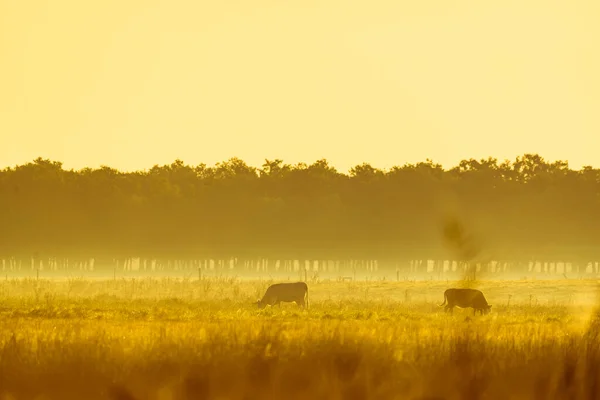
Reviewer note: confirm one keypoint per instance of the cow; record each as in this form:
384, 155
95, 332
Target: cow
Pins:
464, 298
286, 292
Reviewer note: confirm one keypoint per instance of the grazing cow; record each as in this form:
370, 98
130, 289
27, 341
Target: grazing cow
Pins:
464, 298
286, 292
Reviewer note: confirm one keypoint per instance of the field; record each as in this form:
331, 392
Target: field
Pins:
206, 339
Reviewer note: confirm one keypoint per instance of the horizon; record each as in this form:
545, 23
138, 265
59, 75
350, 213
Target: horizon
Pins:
293, 165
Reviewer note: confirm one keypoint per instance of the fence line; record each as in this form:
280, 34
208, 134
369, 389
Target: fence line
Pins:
348, 268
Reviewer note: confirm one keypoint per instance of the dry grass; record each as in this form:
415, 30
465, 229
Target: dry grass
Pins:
184, 339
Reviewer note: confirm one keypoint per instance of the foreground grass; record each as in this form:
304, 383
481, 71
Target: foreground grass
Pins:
178, 339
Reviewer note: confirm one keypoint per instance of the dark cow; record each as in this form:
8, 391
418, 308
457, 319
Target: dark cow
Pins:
464, 298
286, 292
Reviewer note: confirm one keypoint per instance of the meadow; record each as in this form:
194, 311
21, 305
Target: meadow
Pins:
167, 338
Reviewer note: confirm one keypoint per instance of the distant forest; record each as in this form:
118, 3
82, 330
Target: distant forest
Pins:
514, 210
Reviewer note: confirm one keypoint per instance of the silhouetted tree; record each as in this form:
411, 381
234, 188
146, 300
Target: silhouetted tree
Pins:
529, 207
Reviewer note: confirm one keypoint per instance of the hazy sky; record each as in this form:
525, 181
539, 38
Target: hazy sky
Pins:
135, 83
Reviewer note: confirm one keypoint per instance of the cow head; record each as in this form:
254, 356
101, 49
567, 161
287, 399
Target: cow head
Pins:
260, 304
487, 309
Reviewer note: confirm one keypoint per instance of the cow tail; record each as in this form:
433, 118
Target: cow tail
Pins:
445, 298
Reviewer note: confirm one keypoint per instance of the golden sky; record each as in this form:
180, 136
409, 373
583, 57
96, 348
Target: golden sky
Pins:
133, 83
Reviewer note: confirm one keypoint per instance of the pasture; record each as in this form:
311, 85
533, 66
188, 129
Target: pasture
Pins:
174, 339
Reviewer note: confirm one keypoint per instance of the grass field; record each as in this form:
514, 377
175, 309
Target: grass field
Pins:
190, 339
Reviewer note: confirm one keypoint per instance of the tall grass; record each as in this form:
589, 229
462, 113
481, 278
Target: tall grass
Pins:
177, 339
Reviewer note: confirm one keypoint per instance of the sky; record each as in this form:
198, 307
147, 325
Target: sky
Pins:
131, 84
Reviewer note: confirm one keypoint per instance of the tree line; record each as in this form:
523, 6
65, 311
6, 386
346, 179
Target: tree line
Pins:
522, 209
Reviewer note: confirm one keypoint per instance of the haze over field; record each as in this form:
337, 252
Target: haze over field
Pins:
137, 83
